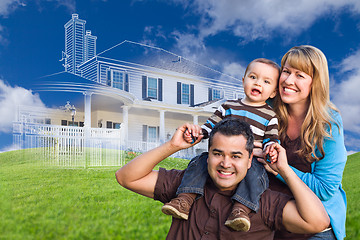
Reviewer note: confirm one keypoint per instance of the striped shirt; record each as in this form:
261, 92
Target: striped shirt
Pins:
262, 120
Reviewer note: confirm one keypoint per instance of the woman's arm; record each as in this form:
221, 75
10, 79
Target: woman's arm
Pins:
306, 214
326, 175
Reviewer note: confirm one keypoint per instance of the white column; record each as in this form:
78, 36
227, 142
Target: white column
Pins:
87, 125
162, 126
196, 119
87, 109
196, 122
125, 124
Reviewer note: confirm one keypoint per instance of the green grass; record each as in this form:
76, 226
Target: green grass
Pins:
351, 182
59, 203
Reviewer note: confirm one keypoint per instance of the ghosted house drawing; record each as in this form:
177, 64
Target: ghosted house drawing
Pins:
138, 94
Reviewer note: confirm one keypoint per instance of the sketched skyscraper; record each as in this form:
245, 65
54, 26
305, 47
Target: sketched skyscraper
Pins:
74, 44
90, 46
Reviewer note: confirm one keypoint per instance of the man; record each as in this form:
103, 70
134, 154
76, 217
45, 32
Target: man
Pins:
229, 158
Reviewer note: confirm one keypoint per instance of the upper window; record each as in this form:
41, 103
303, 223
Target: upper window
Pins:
185, 93
216, 94
117, 79
152, 87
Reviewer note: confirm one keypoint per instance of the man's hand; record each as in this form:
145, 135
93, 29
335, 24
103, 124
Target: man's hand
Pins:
191, 135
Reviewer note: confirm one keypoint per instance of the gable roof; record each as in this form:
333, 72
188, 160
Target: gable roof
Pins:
146, 55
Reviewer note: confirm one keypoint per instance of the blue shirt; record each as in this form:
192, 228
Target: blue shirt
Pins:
326, 176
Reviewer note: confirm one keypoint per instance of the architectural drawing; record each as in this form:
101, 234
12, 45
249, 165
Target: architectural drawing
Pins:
138, 93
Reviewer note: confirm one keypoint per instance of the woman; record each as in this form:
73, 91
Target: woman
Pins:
311, 131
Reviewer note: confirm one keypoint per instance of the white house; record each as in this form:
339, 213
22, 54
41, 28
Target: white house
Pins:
144, 91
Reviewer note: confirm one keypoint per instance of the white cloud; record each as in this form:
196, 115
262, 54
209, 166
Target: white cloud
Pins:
259, 19
189, 44
250, 20
346, 97
345, 94
234, 69
8, 6
10, 99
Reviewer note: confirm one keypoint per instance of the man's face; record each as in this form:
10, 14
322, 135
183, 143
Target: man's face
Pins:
228, 161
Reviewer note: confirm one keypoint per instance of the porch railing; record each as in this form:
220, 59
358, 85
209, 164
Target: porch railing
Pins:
69, 146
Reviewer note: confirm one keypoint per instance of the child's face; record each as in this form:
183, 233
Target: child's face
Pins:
260, 83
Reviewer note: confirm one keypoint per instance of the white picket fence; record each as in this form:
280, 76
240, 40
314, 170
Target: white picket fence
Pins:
71, 146
68, 146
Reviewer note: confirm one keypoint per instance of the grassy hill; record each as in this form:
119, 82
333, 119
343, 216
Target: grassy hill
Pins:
57, 203
351, 181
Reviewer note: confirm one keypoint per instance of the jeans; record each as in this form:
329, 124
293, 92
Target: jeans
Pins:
248, 191
328, 235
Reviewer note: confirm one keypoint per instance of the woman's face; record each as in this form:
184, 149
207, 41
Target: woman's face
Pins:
294, 86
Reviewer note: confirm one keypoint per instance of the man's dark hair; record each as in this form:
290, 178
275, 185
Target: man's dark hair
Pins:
234, 127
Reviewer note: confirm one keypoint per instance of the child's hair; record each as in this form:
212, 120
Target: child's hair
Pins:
311, 61
233, 127
265, 61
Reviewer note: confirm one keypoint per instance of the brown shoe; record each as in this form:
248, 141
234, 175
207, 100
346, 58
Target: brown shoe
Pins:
238, 220
179, 207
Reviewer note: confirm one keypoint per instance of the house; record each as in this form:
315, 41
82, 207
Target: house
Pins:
143, 91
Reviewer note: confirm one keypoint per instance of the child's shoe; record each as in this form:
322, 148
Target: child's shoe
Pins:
179, 207
239, 219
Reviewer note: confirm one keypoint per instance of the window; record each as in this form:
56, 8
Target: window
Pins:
216, 94
152, 88
70, 123
47, 121
112, 125
63, 122
152, 134
185, 93
117, 79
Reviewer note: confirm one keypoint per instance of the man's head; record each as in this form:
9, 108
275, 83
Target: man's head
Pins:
230, 152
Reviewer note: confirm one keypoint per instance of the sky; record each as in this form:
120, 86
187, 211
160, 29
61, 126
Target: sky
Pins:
222, 34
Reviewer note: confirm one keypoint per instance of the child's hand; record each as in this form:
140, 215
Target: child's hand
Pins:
271, 155
187, 137
192, 133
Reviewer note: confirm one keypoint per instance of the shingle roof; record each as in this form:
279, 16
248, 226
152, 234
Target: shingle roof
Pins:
159, 58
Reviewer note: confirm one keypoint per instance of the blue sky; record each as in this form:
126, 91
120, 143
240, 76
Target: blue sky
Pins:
224, 35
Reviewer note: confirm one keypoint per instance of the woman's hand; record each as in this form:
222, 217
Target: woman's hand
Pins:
281, 164
259, 154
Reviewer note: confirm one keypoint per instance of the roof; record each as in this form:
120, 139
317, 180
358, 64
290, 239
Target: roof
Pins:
138, 53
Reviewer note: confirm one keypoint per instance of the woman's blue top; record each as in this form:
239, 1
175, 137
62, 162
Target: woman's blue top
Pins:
326, 175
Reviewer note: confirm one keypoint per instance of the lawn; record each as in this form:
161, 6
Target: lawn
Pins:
58, 203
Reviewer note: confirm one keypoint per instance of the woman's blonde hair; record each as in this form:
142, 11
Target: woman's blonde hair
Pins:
311, 61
